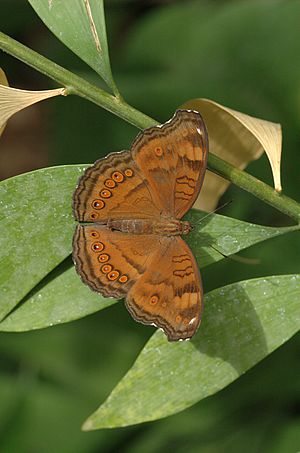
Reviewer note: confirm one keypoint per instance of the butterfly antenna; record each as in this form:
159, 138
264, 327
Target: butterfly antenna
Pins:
215, 210
239, 259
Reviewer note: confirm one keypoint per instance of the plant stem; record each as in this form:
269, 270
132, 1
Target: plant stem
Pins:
254, 186
76, 85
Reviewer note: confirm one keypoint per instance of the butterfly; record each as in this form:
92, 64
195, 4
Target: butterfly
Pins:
131, 204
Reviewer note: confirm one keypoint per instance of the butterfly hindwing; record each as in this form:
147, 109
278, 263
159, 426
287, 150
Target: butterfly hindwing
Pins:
169, 293
158, 277
110, 262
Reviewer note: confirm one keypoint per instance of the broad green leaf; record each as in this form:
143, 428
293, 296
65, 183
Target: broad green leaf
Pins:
36, 229
36, 236
64, 298
80, 25
243, 323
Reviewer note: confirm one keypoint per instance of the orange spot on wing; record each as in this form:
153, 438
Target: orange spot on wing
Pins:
153, 300
105, 193
103, 257
158, 151
113, 275
98, 204
128, 172
110, 183
97, 246
106, 268
117, 176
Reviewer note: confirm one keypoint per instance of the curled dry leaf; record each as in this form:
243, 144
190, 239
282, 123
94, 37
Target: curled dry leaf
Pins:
13, 100
237, 138
3, 81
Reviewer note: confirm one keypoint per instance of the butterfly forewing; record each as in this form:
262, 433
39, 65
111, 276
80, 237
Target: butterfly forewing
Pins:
114, 188
173, 159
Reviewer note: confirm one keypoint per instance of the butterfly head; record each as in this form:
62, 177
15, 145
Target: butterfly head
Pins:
185, 227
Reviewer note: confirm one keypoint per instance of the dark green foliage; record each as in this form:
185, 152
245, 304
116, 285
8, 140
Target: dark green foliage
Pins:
244, 55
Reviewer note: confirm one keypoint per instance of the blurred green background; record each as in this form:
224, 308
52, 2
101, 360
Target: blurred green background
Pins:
244, 54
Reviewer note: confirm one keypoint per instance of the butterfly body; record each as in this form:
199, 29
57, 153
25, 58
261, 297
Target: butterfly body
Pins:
163, 227
130, 244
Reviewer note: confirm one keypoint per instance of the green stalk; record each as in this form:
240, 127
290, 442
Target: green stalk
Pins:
254, 186
76, 85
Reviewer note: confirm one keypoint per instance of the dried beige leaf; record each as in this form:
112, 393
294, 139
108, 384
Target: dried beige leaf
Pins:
237, 138
13, 100
3, 81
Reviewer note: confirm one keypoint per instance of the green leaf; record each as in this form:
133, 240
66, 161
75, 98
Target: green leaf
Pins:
243, 323
80, 25
63, 298
36, 229
37, 224
215, 235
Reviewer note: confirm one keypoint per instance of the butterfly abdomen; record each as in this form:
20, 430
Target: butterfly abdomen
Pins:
162, 227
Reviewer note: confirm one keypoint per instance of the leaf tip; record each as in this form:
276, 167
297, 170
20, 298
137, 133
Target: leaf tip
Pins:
87, 425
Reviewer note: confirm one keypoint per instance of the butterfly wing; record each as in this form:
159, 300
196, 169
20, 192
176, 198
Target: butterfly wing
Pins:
169, 293
157, 275
110, 262
114, 187
162, 174
173, 158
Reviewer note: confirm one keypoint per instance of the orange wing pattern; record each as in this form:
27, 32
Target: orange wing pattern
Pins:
169, 293
173, 158
156, 182
162, 175
157, 275
115, 188
110, 262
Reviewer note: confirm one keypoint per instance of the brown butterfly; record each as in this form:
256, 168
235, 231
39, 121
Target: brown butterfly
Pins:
133, 201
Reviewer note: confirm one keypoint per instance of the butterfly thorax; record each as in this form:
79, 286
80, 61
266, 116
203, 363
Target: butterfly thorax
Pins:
163, 226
